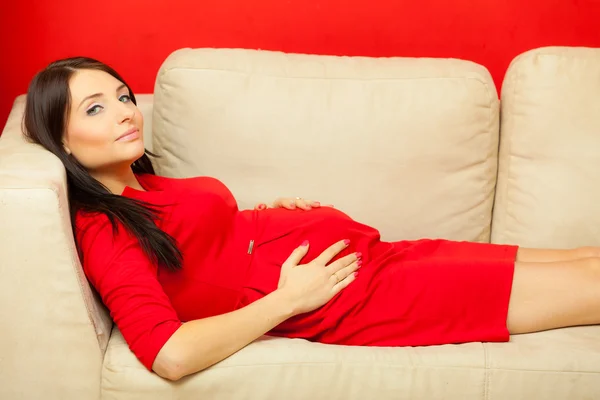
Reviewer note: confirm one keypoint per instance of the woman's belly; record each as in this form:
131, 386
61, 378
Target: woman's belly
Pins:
280, 231
224, 273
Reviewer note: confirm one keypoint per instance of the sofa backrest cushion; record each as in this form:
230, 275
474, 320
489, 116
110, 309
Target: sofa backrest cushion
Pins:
549, 167
403, 144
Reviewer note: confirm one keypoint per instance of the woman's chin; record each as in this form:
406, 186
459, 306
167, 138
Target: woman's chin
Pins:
137, 150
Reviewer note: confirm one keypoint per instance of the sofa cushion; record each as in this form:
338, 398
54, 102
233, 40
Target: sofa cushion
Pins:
406, 145
548, 191
559, 364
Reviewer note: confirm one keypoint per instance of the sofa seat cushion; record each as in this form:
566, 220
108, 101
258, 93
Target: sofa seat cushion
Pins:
277, 368
558, 364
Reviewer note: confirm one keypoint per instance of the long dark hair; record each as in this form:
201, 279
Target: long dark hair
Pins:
45, 121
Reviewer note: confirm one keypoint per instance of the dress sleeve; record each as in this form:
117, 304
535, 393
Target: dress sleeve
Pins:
127, 282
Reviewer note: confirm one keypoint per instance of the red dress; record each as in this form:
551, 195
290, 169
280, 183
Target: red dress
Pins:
408, 293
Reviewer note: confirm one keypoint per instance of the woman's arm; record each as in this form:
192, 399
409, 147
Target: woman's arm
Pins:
302, 288
198, 344
126, 280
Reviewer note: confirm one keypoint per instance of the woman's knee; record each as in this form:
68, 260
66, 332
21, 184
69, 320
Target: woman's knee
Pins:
590, 267
588, 252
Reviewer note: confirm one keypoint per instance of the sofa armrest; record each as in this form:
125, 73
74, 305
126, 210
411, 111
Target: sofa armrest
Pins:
54, 329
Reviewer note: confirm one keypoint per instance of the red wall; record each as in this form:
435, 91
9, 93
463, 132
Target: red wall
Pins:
135, 36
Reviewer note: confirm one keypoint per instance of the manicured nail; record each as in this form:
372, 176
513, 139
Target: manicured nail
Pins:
358, 254
262, 207
359, 263
356, 274
347, 242
305, 243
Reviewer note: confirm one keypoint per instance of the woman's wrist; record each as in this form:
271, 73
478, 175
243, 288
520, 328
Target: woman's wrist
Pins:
284, 303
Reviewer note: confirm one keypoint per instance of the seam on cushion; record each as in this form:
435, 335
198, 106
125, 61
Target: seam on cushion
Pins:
410, 367
486, 376
545, 371
565, 52
510, 153
491, 135
366, 365
167, 70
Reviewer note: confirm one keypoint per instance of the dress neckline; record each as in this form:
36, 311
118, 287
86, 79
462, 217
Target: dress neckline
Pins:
147, 181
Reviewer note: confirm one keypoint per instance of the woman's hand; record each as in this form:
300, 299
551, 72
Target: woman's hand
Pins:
291, 203
310, 286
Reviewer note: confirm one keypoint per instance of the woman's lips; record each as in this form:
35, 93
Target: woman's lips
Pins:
131, 134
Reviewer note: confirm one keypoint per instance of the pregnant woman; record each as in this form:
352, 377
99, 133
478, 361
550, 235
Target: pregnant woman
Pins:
190, 279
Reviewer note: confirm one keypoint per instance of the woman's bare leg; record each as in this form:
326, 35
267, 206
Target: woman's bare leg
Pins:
553, 255
547, 295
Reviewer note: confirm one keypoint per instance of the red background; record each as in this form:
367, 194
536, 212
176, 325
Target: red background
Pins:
135, 36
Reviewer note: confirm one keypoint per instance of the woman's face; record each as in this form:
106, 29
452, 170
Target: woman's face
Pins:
104, 129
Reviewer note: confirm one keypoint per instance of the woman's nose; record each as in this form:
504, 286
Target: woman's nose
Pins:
126, 112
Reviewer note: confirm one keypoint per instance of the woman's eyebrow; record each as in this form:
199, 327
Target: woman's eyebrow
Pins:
98, 95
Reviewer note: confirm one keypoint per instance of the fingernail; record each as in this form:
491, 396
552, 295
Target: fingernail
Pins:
305, 243
316, 204
292, 205
262, 207
358, 254
359, 263
347, 242
356, 274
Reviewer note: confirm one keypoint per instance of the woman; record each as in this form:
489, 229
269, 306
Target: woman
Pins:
190, 279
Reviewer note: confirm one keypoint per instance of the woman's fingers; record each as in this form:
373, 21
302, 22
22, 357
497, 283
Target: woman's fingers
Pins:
300, 203
327, 255
308, 204
279, 202
344, 262
296, 256
337, 266
350, 274
291, 203
343, 273
285, 202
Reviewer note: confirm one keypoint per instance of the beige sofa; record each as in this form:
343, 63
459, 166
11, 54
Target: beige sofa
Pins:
411, 146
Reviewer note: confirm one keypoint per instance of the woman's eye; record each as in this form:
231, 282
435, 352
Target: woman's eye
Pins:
94, 110
125, 98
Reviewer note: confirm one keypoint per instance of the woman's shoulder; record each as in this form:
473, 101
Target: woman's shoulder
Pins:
96, 228
85, 220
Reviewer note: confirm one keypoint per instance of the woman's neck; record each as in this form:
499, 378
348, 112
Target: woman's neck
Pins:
116, 181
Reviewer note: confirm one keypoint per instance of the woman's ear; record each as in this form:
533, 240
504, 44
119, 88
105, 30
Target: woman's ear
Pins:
67, 150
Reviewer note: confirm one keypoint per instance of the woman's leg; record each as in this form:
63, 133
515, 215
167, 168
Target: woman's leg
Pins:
554, 255
547, 295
